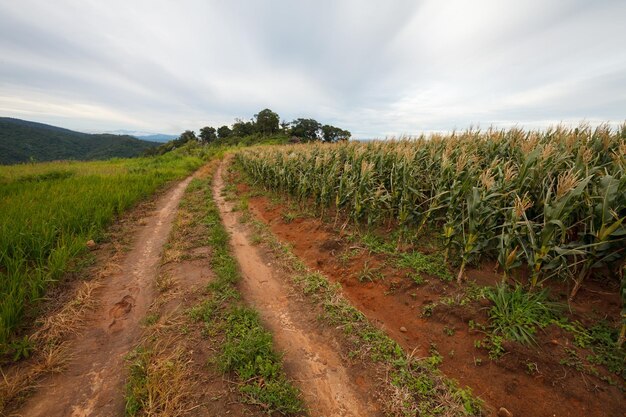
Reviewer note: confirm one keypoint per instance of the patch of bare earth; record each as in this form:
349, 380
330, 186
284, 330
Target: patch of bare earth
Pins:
330, 384
92, 380
527, 381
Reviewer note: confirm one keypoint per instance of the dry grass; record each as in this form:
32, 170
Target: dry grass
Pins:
160, 381
69, 319
21, 379
50, 345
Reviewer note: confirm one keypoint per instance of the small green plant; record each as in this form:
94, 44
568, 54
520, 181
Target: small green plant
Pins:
369, 274
204, 311
248, 348
427, 310
494, 344
472, 325
256, 239
345, 257
242, 205
449, 331
435, 359
516, 313
21, 348
151, 319
313, 283
417, 278
602, 340
289, 217
473, 293
532, 368
573, 360
248, 351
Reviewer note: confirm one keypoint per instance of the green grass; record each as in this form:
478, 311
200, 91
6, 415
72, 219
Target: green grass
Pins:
136, 388
601, 340
249, 353
48, 211
430, 264
376, 244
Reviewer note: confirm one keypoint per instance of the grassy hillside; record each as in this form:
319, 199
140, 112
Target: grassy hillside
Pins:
48, 211
22, 141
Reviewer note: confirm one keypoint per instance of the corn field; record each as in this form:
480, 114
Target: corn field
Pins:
551, 203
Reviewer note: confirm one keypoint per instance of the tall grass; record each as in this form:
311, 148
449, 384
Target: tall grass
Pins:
552, 202
48, 211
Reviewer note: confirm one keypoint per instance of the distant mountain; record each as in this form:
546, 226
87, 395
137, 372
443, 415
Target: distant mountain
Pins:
155, 137
22, 141
158, 137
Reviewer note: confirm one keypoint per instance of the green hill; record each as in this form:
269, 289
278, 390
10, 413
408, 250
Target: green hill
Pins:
21, 141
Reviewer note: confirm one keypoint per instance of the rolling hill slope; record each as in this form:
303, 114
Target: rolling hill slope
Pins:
22, 141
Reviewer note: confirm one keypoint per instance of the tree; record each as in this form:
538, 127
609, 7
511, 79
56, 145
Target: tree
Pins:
241, 128
307, 129
334, 134
284, 126
266, 122
224, 132
186, 136
208, 134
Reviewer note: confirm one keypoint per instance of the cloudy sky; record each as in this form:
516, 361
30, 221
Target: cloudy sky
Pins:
377, 67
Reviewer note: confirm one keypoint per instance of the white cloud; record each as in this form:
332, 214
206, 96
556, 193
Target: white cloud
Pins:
376, 68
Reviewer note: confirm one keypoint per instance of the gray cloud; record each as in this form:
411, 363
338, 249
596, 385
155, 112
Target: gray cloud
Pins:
377, 68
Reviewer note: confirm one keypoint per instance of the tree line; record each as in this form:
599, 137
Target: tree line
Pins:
264, 127
267, 123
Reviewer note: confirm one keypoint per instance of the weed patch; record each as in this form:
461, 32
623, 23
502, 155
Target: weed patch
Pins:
517, 313
430, 264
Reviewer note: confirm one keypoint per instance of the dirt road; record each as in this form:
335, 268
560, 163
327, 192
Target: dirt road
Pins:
94, 381
309, 355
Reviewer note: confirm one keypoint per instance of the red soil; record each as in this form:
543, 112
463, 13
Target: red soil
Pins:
528, 381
